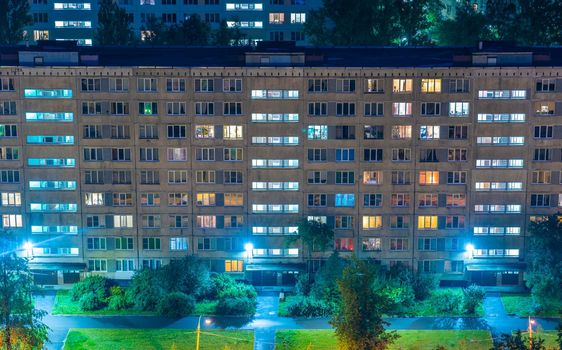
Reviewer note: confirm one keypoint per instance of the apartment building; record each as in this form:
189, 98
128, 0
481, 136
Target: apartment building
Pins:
279, 20
113, 159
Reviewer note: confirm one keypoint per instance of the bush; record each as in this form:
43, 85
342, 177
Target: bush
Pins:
144, 291
118, 299
423, 285
446, 301
310, 307
188, 275
176, 304
236, 306
97, 285
90, 302
226, 287
303, 285
473, 296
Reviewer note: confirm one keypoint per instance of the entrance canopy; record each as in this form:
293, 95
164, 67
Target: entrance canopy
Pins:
275, 267
495, 267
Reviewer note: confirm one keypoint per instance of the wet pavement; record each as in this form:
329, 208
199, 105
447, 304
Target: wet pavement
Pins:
266, 322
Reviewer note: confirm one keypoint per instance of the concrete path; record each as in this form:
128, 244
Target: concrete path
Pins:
264, 337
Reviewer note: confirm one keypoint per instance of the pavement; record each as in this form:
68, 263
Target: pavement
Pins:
266, 322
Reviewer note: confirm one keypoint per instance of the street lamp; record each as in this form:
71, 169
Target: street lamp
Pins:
28, 248
531, 323
249, 248
469, 248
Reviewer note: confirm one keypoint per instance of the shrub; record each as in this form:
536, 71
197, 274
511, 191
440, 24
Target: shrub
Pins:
188, 275
144, 291
176, 304
118, 299
303, 285
473, 296
400, 298
90, 302
446, 301
236, 306
97, 285
423, 285
310, 307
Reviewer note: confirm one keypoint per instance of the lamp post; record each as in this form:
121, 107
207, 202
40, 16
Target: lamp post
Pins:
531, 323
28, 249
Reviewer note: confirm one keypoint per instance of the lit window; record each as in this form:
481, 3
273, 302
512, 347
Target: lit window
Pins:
429, 132
276, 18
401, 109
12, 220
233, 265
232, 132
372, 222
38, 93
372, 177
427, 222
205, 131
429, 177
402, 85
298, 17
11, 199
431, 85
49, 117
317, 132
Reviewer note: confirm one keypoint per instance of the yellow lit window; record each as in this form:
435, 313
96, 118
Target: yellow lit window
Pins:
232, 132
371, 222
429, 177
427, 222
402, 85
431, 85
276, 18
205, 199
233, 200
372, 177
233, 266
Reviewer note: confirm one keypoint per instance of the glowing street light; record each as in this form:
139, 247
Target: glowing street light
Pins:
469, 248
249, 248
28, 248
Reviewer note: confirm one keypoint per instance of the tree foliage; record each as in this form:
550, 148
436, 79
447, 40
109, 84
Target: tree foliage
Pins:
544, 273
358, 322
517, 341
20, 323
114, 24
466, 28
14, 17
314, 235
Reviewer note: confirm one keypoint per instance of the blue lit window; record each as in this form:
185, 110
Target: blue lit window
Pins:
52, 162
345, 200
52, 93
52, 185
55, 140
49, 116
317, 132
65, 229
54, 207
345, 155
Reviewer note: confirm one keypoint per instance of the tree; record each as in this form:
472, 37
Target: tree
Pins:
502, 17
314, 235
14, 16
467, 28
114, 24
518, 342
20, 322
359, 22
417, 19
227, 36
192, 31
154, 31
539, 22
544, 273
359, 324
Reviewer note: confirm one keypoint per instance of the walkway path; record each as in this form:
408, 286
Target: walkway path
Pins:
266, 322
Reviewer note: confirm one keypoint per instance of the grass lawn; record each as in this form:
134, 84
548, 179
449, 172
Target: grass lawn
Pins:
282, 310
65, 306
549, 338
160, 339
411, 340
522, 305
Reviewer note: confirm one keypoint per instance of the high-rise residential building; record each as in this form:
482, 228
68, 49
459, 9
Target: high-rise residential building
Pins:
117, 159
278, 20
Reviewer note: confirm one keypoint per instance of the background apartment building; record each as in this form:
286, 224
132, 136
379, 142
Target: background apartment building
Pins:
279, 20
114, 160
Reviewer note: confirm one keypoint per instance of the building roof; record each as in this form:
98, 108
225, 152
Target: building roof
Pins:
283, 54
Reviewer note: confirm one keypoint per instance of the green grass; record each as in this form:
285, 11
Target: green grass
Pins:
522, 305
206, 307
65, 306
549, 337
157, 339
411, 340
282, 310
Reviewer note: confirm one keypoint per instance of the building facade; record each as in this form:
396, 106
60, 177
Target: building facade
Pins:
114, 160
279, 20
